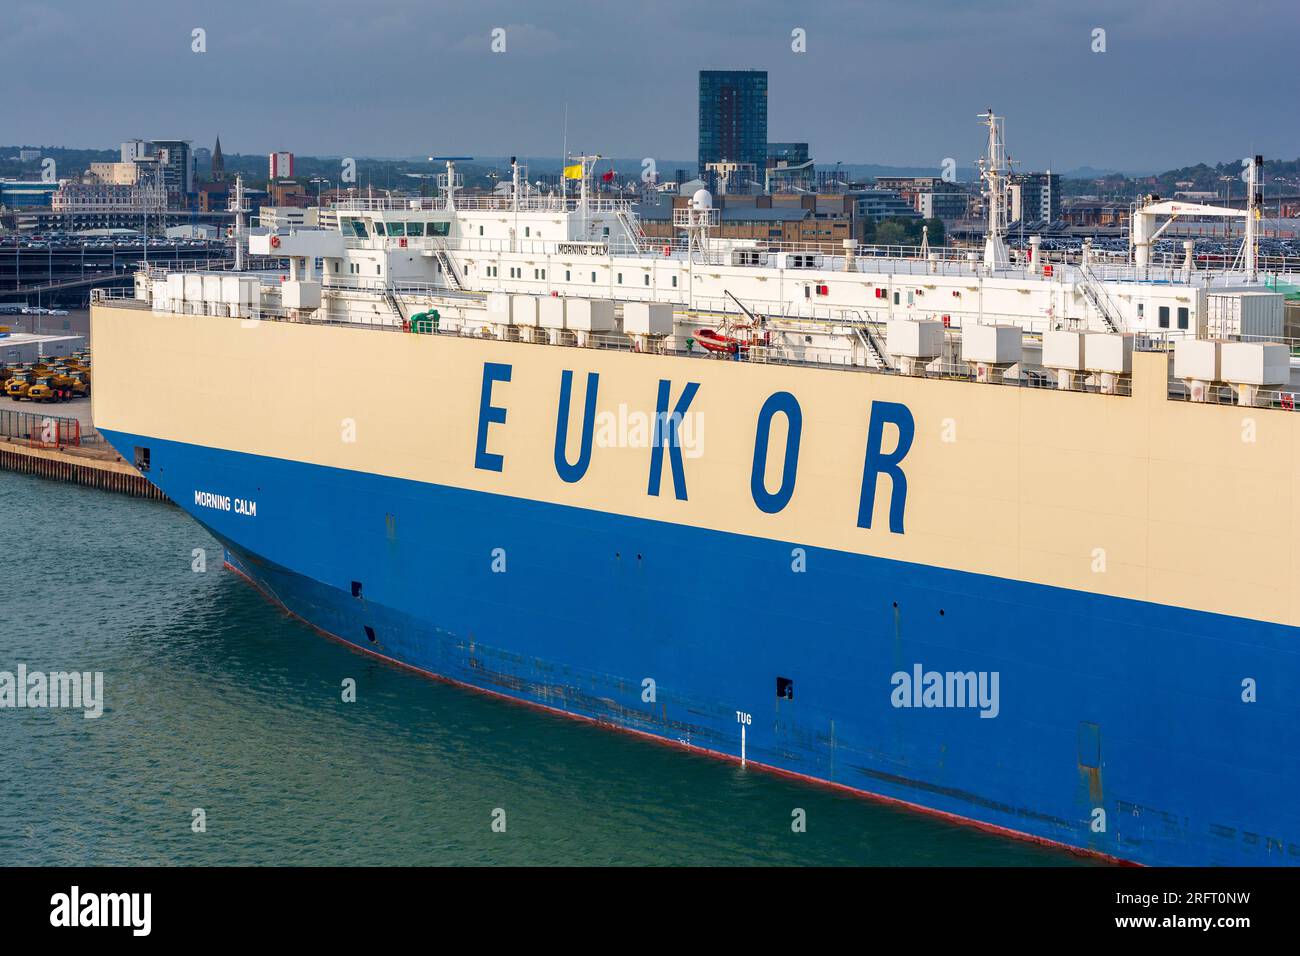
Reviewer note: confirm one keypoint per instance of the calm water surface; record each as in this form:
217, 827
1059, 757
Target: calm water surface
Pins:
215, 700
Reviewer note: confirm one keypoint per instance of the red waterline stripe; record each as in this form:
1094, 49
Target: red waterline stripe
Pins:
730, 758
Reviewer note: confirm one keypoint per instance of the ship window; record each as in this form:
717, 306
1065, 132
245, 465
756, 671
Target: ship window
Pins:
620, 278
359, 228
438, 229
1164, 316
1182, 317
593, 277
895, 298
647, 278
785, 688
567, 275
397, 228
527, 232
379, 270
674, 282
336, 267
379, 228
480, 230
415, 229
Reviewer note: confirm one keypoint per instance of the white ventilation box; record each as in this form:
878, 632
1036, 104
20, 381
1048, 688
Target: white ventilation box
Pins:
212, 288
1108, 352
1255, 363
648, 318
499, 308
176, 287
523, 310
991, 344
551, 312
299, 294
159, 296
240, 290
915, 339
590, 315
1197, 360
193, 287
1063, 349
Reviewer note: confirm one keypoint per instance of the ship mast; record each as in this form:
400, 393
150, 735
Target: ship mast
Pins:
237, 207
994, 172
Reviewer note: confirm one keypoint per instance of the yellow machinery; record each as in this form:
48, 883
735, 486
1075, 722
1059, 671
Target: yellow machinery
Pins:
80, 383
19, 384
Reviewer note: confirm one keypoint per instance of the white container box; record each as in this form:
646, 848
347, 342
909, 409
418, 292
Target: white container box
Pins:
212, 288
298, 294
991, 344
523, 310
498, 308
159, 296
1108, 352
648, 318
551, 312
1197, 359
914, 339
590, 315
1255, 363
1063, 349
193, 288
176, 287
1256, 315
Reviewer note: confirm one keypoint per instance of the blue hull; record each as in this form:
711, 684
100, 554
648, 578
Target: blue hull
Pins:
1120, 727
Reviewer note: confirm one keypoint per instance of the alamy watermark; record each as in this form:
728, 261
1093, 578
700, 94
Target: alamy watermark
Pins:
83, 690
922, 688
635, 429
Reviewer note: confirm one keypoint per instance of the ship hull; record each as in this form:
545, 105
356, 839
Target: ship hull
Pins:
1105, 735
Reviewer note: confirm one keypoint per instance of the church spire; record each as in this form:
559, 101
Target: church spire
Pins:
218, 163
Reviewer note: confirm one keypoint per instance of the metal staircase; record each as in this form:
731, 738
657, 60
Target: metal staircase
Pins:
1096, 294
634, 233
391, 298
862, 329
448, 266
877, 354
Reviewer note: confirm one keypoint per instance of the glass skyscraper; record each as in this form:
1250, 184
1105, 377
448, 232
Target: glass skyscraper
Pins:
733, 117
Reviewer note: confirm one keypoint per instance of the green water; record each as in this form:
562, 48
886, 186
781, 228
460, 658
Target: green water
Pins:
215, 700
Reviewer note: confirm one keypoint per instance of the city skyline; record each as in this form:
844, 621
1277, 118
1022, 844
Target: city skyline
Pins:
890, 85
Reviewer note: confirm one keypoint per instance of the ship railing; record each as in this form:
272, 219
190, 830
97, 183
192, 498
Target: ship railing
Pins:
681, 346
1284, 399
465, 203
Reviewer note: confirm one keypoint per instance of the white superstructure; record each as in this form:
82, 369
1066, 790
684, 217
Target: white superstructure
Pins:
391, 258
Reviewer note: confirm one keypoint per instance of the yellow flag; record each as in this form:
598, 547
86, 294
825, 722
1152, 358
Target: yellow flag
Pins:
573, 172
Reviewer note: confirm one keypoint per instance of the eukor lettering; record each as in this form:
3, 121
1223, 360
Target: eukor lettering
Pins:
668, 419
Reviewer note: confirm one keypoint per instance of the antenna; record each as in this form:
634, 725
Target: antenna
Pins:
449, 182
993, 170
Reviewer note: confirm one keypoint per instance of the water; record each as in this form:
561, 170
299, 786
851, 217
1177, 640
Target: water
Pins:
216, 700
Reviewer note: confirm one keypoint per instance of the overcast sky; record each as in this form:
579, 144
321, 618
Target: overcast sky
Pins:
899, 83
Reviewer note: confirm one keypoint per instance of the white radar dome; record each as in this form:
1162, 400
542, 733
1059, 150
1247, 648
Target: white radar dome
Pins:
702, 199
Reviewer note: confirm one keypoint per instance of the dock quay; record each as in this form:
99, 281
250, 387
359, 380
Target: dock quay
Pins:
67, 449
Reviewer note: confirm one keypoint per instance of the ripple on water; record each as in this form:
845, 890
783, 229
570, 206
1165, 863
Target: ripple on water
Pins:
215, 700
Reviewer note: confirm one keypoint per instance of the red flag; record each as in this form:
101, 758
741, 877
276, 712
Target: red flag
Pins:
608, 177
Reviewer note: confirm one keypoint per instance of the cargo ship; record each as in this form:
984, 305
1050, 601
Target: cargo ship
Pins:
1029, 563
